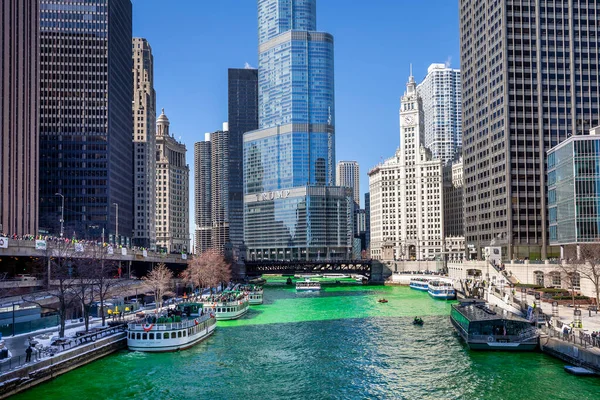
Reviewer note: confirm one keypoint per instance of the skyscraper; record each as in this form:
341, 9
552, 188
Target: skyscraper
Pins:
347, 174
220, 187
86, 91
530, 77
172, 190
144, 145
19, 116
291, 209
406, 192
242, 118
440, 93
202, 195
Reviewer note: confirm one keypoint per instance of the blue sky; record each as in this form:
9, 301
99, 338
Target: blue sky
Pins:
195, 41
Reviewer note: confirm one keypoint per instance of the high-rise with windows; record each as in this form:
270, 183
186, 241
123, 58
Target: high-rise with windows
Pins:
86, 91
242, 117
347, 174
172, 190
530, 80
291, 208
144, 145
440, 93
19, 116
406, 192
202, 195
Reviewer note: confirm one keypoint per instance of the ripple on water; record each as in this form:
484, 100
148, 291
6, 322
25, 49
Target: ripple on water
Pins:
340, 344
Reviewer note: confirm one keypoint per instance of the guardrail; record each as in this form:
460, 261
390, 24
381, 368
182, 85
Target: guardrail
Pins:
580, 338
43, 353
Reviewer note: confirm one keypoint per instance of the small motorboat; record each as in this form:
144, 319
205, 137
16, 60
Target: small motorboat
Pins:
418, 321
382, 301
288, 281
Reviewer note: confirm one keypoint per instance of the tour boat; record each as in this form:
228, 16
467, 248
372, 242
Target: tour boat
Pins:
164, 333
440, 288
255, 293
336, 276
307, 285
227, 305
307, 276
419, 283
485, 329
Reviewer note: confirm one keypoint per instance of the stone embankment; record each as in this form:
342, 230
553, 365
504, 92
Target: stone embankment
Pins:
572, 353
33, 374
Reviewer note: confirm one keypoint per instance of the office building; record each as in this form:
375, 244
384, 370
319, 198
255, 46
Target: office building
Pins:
19, 117
291, 208
220, 187
440, 93
368, 223
453, 198
202, 194
172, 190
242, 117
406, 195
86, 90
529, 81
144, 145
574, 191
347, 174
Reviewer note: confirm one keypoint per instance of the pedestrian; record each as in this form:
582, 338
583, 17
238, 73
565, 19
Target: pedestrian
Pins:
28, 352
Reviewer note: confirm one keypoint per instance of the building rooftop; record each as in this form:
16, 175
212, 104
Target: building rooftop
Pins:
477, 310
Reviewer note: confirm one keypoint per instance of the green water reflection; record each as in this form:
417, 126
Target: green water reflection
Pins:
337, 344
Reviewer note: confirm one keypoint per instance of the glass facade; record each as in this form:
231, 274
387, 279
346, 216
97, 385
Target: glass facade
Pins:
278, 16
293, 148
574, 191
242, 117
301, 223
85, 117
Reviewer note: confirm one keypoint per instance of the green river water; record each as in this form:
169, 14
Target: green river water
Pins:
337, 344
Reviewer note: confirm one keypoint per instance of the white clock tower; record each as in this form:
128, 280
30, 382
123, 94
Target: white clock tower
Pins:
406, 192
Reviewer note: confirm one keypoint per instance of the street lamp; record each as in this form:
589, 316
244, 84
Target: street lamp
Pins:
117, 224
62, 213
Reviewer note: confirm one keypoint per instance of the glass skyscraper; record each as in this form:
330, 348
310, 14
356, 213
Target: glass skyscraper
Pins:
86, 92
292, 153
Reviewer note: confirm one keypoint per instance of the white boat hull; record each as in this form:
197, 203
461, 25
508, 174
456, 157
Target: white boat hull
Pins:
171, 344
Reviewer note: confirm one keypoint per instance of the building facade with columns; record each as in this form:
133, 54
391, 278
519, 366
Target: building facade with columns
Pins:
406, 192
144, 145
172, 190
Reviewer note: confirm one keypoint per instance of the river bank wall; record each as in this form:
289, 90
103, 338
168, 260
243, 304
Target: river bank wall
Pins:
28, 376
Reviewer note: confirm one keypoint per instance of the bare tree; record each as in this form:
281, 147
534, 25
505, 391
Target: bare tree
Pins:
589, 265
104, 271
208, 270
569, 271
158, 281
84, 281
57, 267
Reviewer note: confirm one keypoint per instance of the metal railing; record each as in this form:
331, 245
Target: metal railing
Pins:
41, 353
579, 338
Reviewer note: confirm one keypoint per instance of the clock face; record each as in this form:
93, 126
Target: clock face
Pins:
408, 120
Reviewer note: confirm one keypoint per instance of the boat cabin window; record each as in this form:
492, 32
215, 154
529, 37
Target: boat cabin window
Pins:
151, 336
179, 334
144, 336
166, 336
138, 337
159, 336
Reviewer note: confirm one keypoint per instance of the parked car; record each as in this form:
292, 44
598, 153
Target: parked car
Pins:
26, 277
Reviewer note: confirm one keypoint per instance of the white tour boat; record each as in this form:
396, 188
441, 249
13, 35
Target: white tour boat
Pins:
227, 305
163, 333
419, 283
307, 276
336, 276
440, 288
255, 293
308, 285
